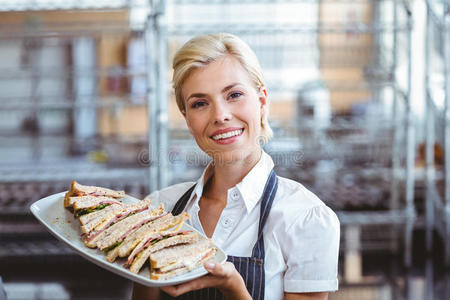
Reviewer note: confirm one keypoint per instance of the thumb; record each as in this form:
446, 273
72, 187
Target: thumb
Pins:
224, 270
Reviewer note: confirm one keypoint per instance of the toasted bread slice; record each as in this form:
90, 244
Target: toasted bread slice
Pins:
131, 241
86, 202
103, 221
142, 239
137, 262
171, 255
90, 223
183, 267
120, 230
77, 189
97, 216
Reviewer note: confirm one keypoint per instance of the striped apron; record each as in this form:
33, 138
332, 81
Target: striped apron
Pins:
250, 268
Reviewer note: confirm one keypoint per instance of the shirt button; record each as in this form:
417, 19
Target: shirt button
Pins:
234, 195
227, 222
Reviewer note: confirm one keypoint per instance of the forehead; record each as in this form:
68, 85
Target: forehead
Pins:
215, 76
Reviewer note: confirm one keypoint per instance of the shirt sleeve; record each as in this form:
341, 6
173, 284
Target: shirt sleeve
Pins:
154, 196
311, 250
169, 195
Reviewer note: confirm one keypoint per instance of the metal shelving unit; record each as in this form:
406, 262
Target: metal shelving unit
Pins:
46, 85
347, 142
36, 27
437, 80
301, 150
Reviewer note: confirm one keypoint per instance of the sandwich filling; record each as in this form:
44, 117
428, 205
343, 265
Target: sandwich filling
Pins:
112, 219
152, 241
137, 232
187, 262
120, 230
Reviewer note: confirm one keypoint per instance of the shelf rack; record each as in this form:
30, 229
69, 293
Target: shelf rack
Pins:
35, 25
437, 123
163, 31
167, 27
50, 156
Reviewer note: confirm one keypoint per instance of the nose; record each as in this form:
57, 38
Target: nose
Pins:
221, 113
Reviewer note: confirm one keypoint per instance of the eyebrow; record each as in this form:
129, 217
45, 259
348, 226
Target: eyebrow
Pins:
224, 90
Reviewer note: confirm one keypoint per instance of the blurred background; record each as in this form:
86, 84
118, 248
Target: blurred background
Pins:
360, 99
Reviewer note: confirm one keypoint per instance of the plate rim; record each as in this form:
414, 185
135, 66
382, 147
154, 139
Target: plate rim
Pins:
37, 212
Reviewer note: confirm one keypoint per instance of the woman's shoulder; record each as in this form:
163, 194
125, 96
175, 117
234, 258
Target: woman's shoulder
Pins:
295, 193
170, 195
295, 204
305, 225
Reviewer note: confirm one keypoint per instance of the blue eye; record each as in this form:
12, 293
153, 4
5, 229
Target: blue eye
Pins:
235, 95
198, 104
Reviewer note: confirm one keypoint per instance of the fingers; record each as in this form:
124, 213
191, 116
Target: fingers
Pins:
143, 292
196, 284
172, 290
226, 269
219, 276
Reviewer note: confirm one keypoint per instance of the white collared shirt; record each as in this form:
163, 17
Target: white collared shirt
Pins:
301, 235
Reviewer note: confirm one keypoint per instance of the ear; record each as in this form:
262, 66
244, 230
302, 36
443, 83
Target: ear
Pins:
263, 99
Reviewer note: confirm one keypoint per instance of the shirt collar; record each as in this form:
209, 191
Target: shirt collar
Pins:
198, 190
251, 187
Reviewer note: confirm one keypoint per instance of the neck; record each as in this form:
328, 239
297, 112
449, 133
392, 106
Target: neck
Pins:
226, 175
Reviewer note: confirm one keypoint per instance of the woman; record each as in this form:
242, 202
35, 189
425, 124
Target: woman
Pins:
282, 241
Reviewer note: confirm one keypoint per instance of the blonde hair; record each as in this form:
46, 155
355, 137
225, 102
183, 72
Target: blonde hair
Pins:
202, 50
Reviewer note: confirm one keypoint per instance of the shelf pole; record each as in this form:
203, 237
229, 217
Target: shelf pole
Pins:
446, 57
397, 126
163, 96
150, 42
429, 142
410, 153
156, 41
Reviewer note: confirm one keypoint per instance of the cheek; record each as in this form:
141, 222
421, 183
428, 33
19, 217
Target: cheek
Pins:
190, 123
195, 123
252, 115
254, 110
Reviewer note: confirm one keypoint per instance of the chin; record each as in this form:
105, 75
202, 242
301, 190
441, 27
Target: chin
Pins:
231, 156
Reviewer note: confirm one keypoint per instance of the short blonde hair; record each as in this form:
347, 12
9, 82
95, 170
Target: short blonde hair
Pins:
202, 50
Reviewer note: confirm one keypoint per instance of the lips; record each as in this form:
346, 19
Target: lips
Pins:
227, 133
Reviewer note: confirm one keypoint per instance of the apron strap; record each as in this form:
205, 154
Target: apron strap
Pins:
251, 268
270, 190
268, 195
181, 203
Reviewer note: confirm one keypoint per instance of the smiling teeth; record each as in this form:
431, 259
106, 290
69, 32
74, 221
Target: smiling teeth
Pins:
227, 135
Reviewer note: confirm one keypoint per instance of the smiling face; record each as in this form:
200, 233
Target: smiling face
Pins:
223, 110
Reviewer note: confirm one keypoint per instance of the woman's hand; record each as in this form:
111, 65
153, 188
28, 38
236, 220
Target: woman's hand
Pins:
141, 292
224, 277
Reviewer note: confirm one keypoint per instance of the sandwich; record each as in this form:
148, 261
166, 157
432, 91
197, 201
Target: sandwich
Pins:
137, 232
180, 259
90, 221
113, 235
136, 241
167, 239
98, 221
82, 205
166, 233
77, 189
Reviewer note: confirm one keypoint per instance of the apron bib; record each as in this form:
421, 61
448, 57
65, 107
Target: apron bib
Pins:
250, 268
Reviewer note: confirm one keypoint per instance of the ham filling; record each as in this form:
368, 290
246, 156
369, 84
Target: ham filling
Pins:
95, 194
128, 232
149, 241
116, 219
185, 265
